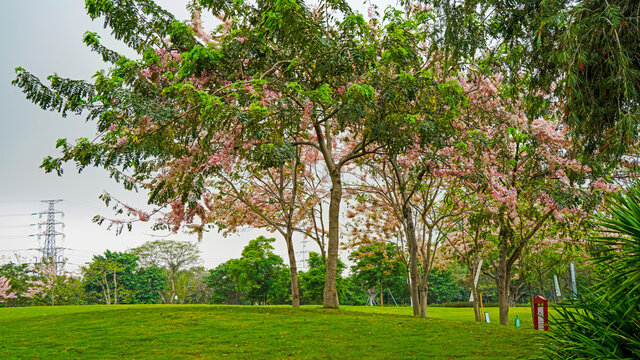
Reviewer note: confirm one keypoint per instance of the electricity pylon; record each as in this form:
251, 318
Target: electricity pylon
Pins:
51, 252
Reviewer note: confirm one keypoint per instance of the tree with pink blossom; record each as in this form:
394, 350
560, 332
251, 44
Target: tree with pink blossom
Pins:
259, 88
403, 197
48, 284
468, 240
5, 289
523, 171
284, 199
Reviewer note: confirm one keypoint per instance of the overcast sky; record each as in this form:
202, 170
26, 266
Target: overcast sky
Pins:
45, 37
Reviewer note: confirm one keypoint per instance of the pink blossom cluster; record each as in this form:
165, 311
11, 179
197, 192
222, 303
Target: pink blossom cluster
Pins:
504, 195
548, 132
269, 96
5, 289
140, 214
306, 115
37, 287
154, 72
371, 11
603, 185
176, 216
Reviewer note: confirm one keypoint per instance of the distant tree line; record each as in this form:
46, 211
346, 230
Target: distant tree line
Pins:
166, 271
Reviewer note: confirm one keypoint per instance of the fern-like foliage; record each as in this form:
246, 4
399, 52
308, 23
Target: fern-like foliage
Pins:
63, 95
605, 322
137, 23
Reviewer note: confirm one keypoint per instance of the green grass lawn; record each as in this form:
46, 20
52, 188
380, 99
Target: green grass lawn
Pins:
258, 332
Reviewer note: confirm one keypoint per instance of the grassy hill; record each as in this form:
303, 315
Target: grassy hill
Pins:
257, 332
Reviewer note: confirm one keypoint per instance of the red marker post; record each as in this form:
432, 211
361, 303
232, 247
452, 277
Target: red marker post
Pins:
540, 313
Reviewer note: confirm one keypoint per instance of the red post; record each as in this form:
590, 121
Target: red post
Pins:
540, 313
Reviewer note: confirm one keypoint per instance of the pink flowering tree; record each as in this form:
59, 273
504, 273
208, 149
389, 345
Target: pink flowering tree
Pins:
5, 289
522, 170
48, 284
468, 237
550, 253
281, 199
404, 197
271, 79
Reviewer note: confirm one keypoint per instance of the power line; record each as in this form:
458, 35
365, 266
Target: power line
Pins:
11, 237
17, 226
87, 205
31, 249
85, 251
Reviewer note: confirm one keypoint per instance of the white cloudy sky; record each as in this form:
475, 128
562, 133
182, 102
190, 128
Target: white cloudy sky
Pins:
45, 37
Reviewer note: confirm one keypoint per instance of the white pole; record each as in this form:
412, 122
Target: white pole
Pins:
557, 286
574, 287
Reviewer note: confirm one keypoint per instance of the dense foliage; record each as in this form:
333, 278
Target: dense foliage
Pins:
117, 278
258, 277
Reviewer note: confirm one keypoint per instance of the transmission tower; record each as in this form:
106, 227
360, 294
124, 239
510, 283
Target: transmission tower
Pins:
51, 252
302, 260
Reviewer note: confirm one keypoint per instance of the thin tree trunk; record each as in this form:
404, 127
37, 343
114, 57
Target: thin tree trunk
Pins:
295, 292
173, 288
409, 286
115, 288
330, 296
530, 288
107, 292
52, 291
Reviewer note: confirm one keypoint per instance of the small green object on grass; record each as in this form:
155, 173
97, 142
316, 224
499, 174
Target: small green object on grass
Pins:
517, 321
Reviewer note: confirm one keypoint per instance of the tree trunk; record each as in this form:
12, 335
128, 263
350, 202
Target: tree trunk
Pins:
173, 288
530, 287
412, 243
476, 300
295, 292
53, 299
503, 282
513, 295
409, 286
330, 296
107, 291
423, 293
503, 299
115, 288
503, 274
381, 294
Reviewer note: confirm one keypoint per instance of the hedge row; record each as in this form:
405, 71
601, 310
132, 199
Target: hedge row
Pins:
467, 304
